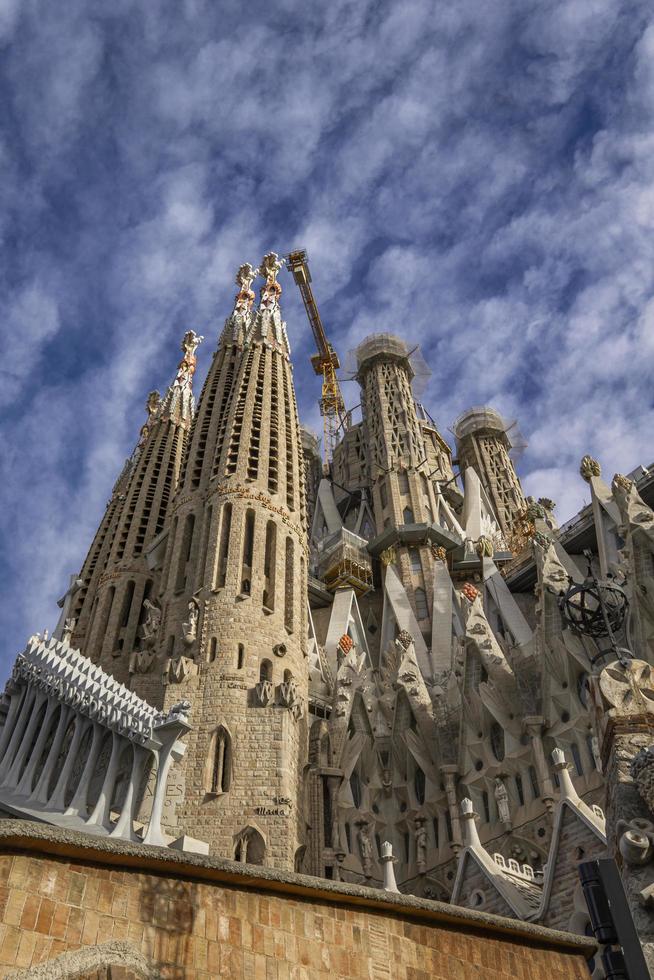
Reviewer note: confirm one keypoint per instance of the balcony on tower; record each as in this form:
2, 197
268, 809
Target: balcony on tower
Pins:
342, 561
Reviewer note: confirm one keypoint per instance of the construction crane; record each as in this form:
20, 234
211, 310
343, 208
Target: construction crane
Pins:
325, 362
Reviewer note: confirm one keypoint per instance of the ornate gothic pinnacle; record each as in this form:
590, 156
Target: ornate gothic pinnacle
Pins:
186, 368
270, 266
588, 468
245, 277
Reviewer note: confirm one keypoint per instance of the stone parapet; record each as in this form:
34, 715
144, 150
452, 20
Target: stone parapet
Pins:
67, 895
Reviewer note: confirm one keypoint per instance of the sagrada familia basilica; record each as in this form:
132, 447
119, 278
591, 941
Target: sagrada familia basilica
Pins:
395, 671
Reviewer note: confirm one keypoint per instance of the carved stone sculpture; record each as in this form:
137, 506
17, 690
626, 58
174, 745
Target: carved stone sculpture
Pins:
265, 693
152, 621
179, 711
190, 627
421, 845
642, 772
502, 800
588, 468
365, 848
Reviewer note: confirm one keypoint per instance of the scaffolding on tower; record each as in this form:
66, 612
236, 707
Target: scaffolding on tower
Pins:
325, 362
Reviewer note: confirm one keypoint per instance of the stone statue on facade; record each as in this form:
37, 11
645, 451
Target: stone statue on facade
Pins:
365, 848
421, 845
152, 621
502, 800
190, 627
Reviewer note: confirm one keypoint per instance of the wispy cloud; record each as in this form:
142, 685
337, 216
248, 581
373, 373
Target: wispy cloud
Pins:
478, 177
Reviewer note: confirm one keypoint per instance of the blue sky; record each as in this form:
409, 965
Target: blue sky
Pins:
477, 176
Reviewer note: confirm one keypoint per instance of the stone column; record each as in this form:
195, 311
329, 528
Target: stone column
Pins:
40, 792
100, 814
24, 786
125, 824
57, 797
535, 725
154, 834
450, 773
24, 716
77, 805
12, 716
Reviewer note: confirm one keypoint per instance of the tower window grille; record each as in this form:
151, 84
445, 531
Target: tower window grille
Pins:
414, 560
269, 564
255, 427
223, 547
170, 548
289, 598
206, 402
273, 456
227, 371
237, 425
497, 741
168, 482
290, 455
106, 613
248, 553
422, 610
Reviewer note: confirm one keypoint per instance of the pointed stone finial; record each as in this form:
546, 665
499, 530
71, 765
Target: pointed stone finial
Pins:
588, 468
568, 792
270, 266
484, 547
152, 403
387, 859
470, 832
623, 482
186, 368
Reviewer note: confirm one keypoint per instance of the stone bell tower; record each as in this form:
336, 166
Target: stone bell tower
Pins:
403, 494
482, 442
118, 586
234, 629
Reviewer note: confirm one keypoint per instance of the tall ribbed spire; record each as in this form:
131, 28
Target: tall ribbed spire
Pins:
115, 574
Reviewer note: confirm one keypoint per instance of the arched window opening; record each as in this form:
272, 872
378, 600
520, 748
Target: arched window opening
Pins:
106, 612
221, 756
223, 545
325, 750
448, 825
486, 805
383, 494
422, 610
419, 784
348, 837
204, 552
406, 837
407, 515
520, 790
269, 566
576, 758
403, 481
590, 745
355, 787
434, 824
185, 553
213, 647
170, 651
248, 552
250, 847
265, 671
240, 657
497, 741
414, 560
533, 778
127, 604
288, 589
326, 814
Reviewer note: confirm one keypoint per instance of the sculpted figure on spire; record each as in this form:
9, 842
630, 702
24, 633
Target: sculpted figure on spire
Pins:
269, 314
186, 368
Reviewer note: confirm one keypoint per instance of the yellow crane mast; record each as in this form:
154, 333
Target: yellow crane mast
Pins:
325, 362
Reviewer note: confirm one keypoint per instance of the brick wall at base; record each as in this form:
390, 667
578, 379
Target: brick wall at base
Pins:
258, 928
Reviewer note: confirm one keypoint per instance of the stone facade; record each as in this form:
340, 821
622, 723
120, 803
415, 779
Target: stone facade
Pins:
364, 648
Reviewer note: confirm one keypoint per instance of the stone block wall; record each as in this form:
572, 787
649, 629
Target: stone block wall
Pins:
74, 906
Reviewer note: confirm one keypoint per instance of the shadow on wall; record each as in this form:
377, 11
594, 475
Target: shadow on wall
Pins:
170, 907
